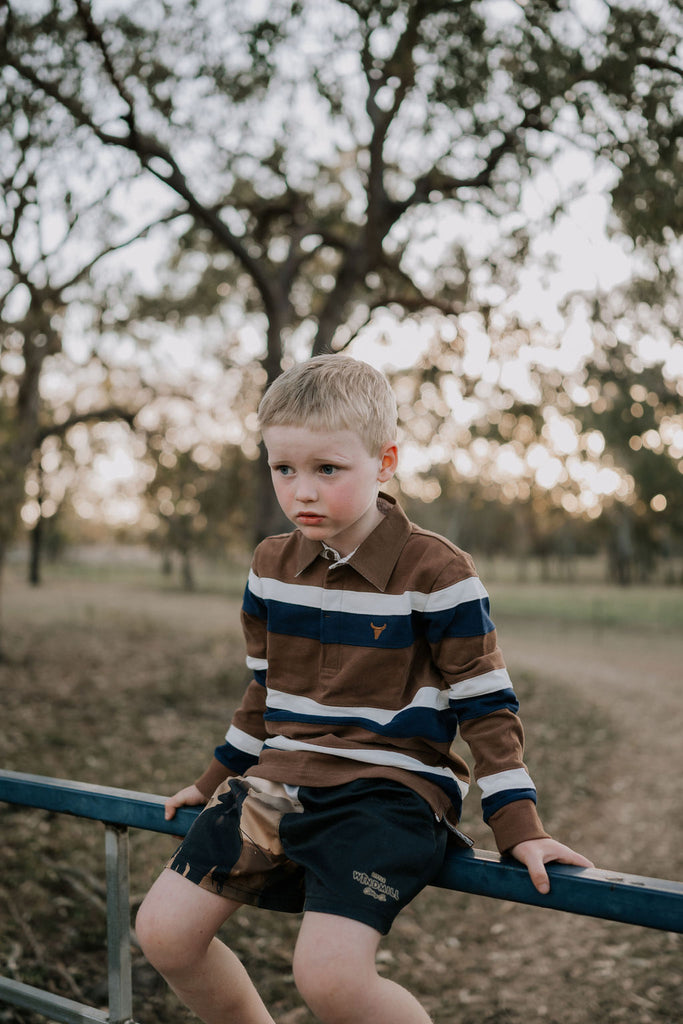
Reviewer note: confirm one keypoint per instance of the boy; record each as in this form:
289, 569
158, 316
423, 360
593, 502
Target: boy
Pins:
370, 644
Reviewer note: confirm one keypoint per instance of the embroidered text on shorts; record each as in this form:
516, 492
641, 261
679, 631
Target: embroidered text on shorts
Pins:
375, 885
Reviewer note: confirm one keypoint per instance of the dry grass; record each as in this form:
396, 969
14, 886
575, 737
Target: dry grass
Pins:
130, 685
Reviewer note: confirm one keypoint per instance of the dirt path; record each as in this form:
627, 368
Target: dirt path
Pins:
637, 683
533, 965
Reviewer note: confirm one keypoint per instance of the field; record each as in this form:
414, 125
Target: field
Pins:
115, 677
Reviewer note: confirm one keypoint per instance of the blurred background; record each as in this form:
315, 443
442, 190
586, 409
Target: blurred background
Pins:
482, 198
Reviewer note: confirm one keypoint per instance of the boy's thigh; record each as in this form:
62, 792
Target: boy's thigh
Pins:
172, 897
176, 912
368, 848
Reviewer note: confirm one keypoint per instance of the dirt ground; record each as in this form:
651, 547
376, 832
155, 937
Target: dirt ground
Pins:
120, 686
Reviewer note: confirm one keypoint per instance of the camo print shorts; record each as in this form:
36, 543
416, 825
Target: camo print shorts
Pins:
362, 850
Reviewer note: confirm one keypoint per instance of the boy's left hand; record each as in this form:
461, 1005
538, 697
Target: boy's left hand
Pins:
535, 853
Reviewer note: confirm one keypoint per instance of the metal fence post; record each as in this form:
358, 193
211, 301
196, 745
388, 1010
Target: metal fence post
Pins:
118, 925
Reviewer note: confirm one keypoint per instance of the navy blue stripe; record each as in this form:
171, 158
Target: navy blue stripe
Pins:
234, 759
450, 788
332, 627
293, 620
358, 630
260, 676
428, 723
485, 704
468, 619
491, 804
253, 605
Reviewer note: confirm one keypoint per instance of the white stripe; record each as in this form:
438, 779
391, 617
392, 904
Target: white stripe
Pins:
489, 682
387, 758
243, 741
293, 593
471, 589
516, 778
257, 664
358, 603
427, 697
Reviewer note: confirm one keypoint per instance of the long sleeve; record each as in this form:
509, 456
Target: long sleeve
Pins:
245, 736
465, 649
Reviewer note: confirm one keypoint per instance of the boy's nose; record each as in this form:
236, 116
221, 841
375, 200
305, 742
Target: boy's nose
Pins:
306, 489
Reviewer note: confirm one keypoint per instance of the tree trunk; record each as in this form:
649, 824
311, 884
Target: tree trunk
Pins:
3, 647
187, 571
269, 518
36, 550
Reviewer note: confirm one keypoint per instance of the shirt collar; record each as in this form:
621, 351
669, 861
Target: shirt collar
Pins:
376, 557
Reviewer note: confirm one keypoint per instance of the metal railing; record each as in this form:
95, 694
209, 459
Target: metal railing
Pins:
612, 896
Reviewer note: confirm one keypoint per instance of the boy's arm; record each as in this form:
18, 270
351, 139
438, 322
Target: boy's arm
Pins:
246, 734
243, 741
496, 740
516, 825
241, 749
484, 705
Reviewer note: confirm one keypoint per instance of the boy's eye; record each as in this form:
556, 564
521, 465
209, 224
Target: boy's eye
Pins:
283, 470
327, 470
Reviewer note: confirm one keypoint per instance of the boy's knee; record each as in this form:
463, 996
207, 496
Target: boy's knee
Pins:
327, 983
147, 930
157, 941
320, 990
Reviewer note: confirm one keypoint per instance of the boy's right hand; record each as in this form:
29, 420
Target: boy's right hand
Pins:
188, 797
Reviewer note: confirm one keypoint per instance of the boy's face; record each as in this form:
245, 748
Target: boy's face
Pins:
327, 482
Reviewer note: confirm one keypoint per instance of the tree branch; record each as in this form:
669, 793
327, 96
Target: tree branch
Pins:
112, 412
94, 36
656, 64
115, 247
148, 150
401, 66
436, 180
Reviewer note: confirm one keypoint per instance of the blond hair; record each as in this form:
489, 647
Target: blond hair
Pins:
333, 392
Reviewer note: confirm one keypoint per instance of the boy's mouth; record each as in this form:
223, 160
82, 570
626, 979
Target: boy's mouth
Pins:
309, 518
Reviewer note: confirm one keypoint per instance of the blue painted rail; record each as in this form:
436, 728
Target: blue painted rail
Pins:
612, 896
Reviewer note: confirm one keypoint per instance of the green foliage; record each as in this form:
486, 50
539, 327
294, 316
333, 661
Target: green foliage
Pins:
202, 509
640, 413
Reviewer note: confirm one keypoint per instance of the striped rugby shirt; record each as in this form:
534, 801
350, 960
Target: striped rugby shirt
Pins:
368, 667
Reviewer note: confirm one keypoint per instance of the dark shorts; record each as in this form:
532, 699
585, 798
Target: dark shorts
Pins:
362, 850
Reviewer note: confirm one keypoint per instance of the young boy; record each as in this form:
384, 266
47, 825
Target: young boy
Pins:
370, 643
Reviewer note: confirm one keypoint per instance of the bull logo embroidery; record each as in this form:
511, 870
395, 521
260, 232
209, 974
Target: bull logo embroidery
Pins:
378, 630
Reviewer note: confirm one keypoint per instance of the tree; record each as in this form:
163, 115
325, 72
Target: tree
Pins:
192, 497
603, 443
46, 264
639, 412
318, 149
28, 339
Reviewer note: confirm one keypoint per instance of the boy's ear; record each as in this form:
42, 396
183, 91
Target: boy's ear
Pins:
388, 462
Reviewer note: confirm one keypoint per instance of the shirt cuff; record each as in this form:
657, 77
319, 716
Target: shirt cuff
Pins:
516, 823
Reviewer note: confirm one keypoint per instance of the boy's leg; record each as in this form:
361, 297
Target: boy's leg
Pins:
176, 927
334, 969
